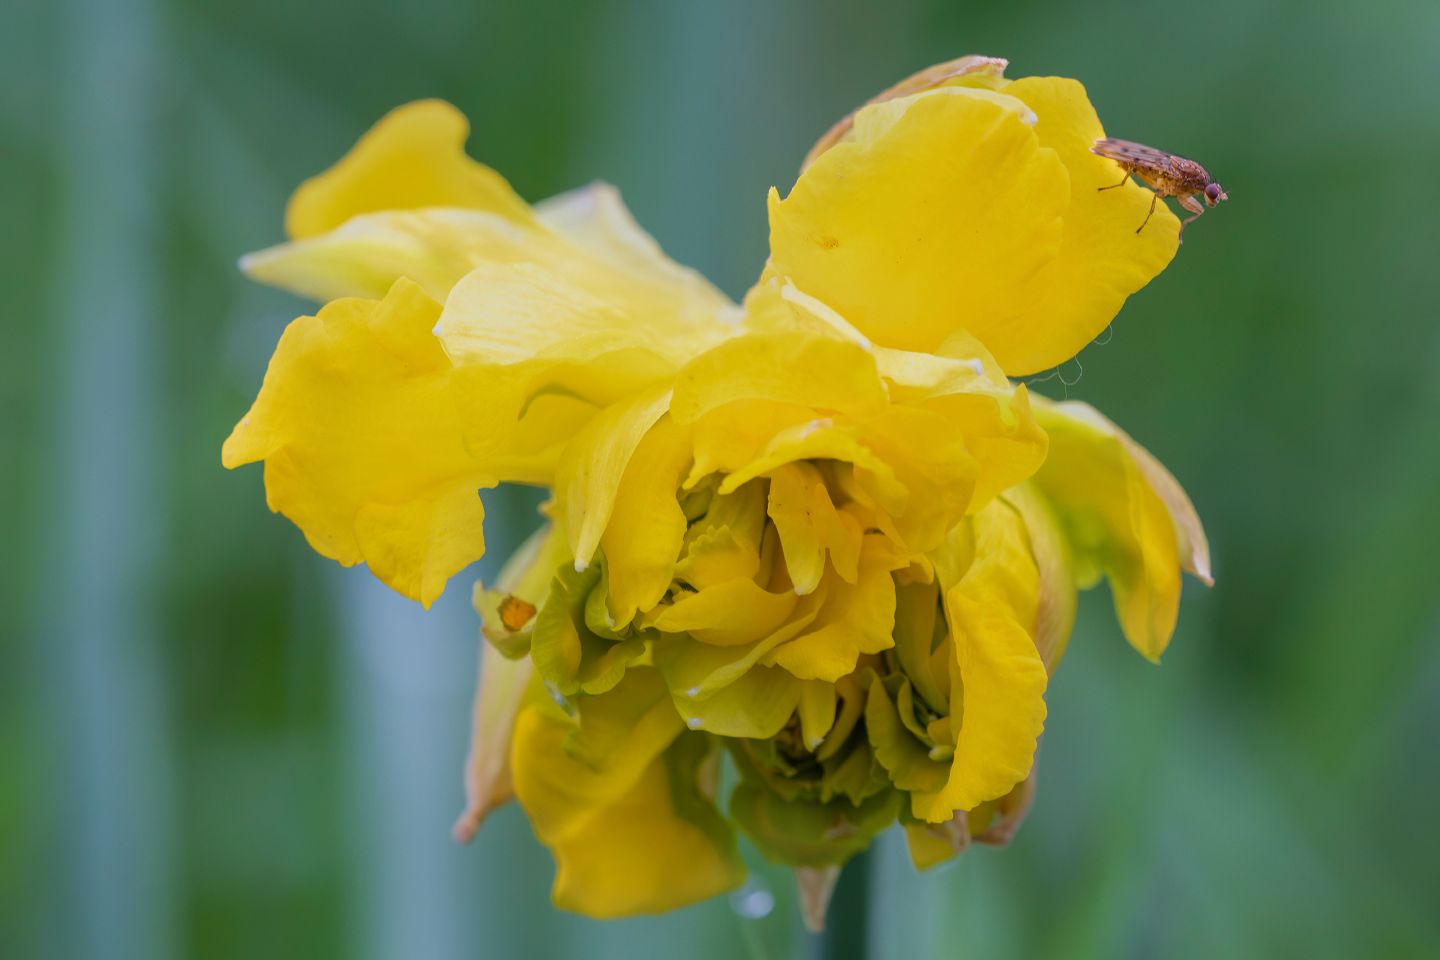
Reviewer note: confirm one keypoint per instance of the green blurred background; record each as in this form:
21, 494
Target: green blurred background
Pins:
215, 744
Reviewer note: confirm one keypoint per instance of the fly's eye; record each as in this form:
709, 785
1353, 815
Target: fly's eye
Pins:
1212, 192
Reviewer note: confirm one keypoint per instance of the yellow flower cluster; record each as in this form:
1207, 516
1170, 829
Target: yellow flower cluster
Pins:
819, 533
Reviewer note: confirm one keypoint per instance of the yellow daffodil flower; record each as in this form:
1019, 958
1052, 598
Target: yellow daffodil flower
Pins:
820, 536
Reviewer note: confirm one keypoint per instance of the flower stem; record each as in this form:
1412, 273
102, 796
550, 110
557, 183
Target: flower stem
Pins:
847, 921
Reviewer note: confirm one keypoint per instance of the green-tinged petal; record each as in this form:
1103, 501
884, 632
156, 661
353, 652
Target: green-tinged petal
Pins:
413, 157
624, 800
359, 424
565, 646
590, 472
817, 712
917, 610
931, 216
507, 612
1117, 522
801, 833
756, 705
505, 685
906, 759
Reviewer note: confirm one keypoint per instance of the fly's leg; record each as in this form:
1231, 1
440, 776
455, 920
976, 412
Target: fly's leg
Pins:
1114, 185
1196, 208
1154, 199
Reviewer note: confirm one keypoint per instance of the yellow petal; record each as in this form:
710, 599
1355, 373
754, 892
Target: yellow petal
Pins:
364, 256
563, 310
624, 806
1000, 432
817, 712
413, 157
696, 670
854, 620
810, 527
825, 439
756, 705
932, 216
824, 374
727, 614
1101, 261
437, 246
647, 527
1117, 521
715, 555
992, 610
775, 305
594, 463
595, 219
732, 436
361, 433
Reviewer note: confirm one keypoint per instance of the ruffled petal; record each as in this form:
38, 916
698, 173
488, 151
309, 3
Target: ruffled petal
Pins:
992, 611
360, 429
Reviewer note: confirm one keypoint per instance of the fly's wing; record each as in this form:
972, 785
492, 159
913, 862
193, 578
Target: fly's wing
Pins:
1136, 155
1189, 174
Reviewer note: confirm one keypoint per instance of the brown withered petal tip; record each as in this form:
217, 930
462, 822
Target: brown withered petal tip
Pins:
926, 79
816, 885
